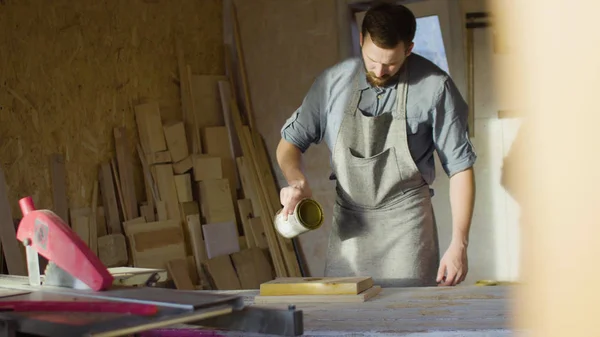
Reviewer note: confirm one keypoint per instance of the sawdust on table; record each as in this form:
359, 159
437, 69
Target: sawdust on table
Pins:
424, 304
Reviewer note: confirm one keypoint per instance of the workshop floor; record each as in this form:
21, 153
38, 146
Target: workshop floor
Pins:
417, 312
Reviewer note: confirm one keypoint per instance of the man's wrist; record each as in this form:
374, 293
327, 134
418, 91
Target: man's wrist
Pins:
297, 183
460, 240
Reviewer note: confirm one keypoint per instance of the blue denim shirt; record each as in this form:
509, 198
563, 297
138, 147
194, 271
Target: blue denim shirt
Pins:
437, 114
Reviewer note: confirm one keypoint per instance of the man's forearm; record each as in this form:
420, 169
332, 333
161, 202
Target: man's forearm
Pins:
462, 200
289, 158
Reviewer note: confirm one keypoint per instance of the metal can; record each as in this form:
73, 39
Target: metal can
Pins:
307, 216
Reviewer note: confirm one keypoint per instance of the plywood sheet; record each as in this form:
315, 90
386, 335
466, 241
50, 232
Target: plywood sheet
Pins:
220, 239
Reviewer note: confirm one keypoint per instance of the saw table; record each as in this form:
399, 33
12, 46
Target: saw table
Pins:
465, 311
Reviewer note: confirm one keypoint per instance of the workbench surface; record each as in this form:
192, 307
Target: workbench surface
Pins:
482, 311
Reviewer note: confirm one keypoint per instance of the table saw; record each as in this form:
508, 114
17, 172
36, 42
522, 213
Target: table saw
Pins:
76, 295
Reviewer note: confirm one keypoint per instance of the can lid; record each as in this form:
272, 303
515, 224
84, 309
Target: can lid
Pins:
310, 213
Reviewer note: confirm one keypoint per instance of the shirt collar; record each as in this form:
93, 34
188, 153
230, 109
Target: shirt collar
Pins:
364, 85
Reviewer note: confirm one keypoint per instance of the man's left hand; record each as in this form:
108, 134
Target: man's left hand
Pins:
453, 266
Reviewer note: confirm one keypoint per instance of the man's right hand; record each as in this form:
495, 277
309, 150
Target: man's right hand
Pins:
291, 195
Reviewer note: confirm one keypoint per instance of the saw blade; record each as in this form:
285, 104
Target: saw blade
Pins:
58, 277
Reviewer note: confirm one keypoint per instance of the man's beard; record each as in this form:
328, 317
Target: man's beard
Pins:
381, 81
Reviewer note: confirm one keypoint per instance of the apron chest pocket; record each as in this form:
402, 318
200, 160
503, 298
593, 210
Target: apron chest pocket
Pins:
374, 179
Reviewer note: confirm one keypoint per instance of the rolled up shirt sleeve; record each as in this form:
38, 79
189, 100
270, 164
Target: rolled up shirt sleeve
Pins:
451, 130
303, 127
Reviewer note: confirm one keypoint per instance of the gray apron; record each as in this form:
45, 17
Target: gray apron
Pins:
383, 221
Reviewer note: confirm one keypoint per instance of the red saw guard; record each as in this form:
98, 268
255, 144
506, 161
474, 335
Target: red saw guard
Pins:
52, 238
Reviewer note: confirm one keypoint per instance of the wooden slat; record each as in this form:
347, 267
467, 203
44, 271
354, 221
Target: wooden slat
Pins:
167, 190
93, 220
179, 272
126, 173
191, 128
245, 209
149, 125
252, 267
270, 190
13, 255
109, 199
276, 256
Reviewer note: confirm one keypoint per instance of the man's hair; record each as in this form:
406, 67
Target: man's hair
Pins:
388, 24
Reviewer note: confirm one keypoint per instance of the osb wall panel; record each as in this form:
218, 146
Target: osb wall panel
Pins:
70, 72
286, 45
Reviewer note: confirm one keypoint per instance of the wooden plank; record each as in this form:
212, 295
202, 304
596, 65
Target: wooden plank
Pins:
112, 250
101, 222
207, 104
252, 267
250, 191
150, 186
216, 144
93, 220
234, 142
147, 213
153, 244
198, 248
126, 173
278, 263
149, 125
183, 185
316, 286
263, 168
161, 211
176, 141
15, 261
81, 225
245, 209
215, 201
109, 199
358, 298
207, 167
59, 186
167, 190
178, 270
184, 165
222, 275
189, 116
161, 157
193, 270
258, 232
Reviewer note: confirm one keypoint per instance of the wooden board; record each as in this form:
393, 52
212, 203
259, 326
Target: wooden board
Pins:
153, 244
316, 286
179, 272
221, 273
215, 201
149, 125
362, 297
207, 167
10, 245
176, 141
184, 165
252, 267
112, 250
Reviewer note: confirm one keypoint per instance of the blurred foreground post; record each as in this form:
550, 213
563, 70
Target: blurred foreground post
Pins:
554, 170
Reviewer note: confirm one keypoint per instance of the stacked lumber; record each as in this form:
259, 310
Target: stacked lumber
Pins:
317, 290
210, 195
